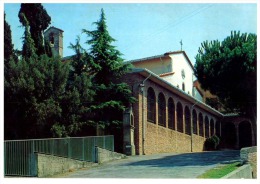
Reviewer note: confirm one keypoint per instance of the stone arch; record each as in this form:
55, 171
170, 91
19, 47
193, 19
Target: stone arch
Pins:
245, 134
151, 105
179, 117
201, 129
206, 126
229, 139
194, 121
161, 110
212, 127
171, 114
187, 121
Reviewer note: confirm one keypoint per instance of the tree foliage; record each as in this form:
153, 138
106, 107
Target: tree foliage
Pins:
112, 96
8, 45
37, 20
228, 70
79, 92
45, 97
33, 94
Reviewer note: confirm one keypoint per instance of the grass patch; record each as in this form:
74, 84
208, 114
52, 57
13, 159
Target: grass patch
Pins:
220, 170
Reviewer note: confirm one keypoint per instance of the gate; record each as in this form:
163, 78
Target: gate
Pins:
20, 157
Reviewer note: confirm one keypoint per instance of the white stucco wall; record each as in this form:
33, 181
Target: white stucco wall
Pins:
179, 63
173, 65
157, 65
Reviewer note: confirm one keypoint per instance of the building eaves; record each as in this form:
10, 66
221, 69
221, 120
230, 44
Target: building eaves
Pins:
54, 28
145, 72
167, 54
146, 58
231, 115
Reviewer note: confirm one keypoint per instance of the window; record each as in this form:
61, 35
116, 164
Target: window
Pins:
51, 38
151, 105
183, 86
161, 110
171, 114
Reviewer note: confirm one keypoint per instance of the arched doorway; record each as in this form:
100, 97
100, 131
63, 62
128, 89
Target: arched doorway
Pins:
201, 129
179, 117
212, 128
161, 110
194, 121
187, 121
228, 135
245, 134
171, 114
151, 108
206, 127
218, 128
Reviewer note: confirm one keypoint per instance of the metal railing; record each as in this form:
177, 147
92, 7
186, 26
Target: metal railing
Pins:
19, 155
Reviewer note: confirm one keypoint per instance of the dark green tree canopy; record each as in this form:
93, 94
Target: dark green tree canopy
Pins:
38, 20
228, 70
108, 63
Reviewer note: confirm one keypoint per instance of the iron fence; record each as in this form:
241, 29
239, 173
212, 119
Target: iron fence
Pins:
19, 155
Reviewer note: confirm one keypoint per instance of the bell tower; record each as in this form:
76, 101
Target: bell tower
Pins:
55, 37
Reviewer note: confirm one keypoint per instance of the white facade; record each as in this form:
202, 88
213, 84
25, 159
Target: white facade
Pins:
183, 72
174, 67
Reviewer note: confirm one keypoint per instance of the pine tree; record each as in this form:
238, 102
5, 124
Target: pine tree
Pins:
112, 97
229, 70
79, 92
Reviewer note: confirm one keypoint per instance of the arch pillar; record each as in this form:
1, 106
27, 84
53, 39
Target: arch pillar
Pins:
183, 119
166, 113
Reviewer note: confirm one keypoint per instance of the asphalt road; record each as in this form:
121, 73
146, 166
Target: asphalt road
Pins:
187, 165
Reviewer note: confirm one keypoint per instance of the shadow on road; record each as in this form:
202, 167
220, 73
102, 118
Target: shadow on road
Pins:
191, 159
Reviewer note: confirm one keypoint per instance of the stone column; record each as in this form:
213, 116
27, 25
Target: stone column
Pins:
128, 128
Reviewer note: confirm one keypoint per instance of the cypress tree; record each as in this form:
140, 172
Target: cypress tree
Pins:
8, 46
38, 20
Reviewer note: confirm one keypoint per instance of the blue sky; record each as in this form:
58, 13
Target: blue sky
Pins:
144, 30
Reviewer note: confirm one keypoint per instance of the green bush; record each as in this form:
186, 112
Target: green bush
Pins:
212, 143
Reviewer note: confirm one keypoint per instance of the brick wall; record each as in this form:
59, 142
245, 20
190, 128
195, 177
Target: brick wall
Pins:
158, 139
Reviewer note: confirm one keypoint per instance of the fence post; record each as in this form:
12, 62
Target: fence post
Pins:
69, 148
83, 152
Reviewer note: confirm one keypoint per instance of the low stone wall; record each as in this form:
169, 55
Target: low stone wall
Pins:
248, 155
244, 171
103, 155
49, 165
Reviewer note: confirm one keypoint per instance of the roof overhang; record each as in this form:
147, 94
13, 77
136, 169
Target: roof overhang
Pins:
155, 78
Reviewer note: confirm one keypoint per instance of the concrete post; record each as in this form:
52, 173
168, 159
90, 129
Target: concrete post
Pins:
128, 128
